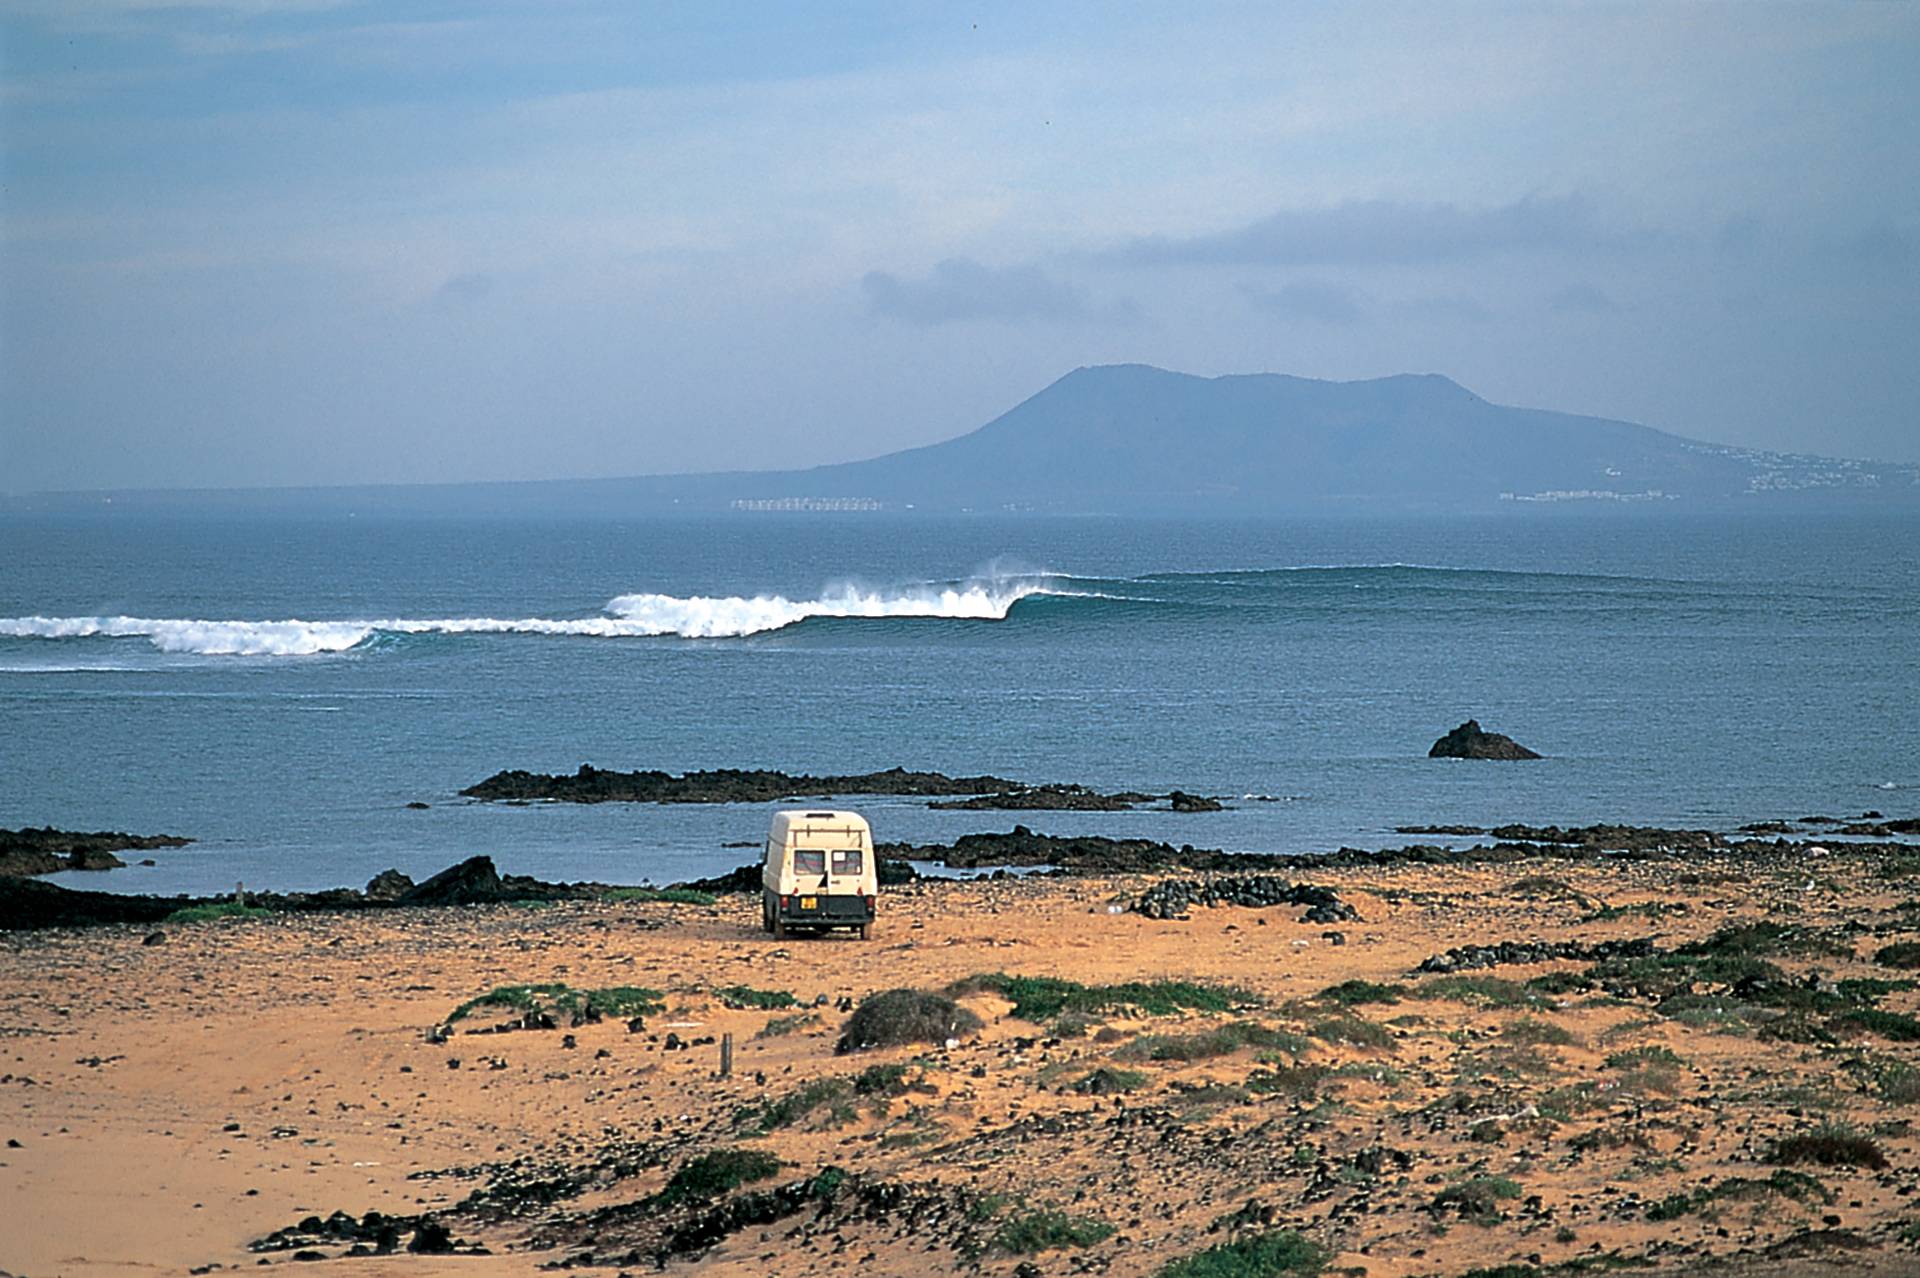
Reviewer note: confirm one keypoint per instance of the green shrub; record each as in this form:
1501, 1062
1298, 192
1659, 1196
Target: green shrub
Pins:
1893, 1080
216, 910
1532, 1032
1105, 1081
620, 1000
1297, 1081
795, 1105
1042, 998
898, 1017
743, 997
1896, 1026
1351, 1029
1476, 1200
1223, 1041
1828, 1146
1481, 991
1267, 1255
709, 1176
1902, 954
1354, 993
781, 1026
671, 895
1044, 1229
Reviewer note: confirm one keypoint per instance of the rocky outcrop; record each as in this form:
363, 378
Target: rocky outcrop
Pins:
388, 885
723, 785
1471, 741
475, 881
733, 785
1046, 798
1091, 854
47, 850
1181, 801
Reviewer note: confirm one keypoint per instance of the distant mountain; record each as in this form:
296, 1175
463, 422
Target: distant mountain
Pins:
1129, 437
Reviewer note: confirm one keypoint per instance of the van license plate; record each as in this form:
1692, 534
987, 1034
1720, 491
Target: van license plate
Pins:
809, 903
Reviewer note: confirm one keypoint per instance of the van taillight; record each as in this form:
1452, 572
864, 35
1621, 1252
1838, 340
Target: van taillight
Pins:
783, 902
870, 902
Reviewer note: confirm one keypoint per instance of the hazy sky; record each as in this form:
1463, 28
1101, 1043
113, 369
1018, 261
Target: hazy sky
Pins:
294, 241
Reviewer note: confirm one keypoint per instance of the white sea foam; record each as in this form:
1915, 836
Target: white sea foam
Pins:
627, 616
705, 618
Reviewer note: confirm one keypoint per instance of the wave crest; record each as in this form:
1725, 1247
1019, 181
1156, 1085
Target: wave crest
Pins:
700, 617
635, 616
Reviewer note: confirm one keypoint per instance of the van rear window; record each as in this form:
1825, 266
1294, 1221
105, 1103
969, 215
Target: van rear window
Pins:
848, 862
809, 862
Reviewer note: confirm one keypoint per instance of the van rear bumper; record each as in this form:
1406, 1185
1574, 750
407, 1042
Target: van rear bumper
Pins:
826, 910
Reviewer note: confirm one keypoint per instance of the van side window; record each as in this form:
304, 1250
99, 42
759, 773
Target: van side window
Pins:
809, 862
848, 862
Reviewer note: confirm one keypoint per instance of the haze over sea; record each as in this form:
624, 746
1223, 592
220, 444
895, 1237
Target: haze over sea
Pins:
1678, 670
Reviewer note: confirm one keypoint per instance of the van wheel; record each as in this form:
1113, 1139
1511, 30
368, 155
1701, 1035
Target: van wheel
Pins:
766, 917
866, 931
779, 929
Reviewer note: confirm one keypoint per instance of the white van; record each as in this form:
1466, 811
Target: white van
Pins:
820, 873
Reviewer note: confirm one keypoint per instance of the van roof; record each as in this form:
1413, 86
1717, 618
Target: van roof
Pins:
789, 819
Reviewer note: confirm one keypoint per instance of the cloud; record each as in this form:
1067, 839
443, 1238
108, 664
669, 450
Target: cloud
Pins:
464, 290
1580, 299
1322, 301
1386, 232
962, 289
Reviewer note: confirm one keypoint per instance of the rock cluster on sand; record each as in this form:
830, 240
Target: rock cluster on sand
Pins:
1471, 741
48, 851
1466, 958
1172, 898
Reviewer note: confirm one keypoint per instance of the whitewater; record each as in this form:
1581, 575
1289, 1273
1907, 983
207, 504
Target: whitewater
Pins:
629, 616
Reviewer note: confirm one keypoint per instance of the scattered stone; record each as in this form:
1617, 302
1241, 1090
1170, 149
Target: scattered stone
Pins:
154, 938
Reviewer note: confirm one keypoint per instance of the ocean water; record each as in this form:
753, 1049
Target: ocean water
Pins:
281, 689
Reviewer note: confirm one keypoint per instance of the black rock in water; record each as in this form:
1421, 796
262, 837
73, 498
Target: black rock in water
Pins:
30, 851
1471, 741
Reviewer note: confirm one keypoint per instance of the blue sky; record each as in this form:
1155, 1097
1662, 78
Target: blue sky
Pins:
266, 242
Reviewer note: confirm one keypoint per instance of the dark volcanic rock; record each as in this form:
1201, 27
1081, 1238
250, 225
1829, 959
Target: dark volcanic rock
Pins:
1471, 741
1095, 854
1616, 838
26, 905
475, 881
1046, 798
723, 785
1172, 898
1181, 801
733, 785
1467, 958
47, 850
388, 885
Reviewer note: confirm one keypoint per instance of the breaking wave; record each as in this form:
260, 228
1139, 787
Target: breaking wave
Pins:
636, 616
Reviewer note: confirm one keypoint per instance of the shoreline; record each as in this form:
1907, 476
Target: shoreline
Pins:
176, 1102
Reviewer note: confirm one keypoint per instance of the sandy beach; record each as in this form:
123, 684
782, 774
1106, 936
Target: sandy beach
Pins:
167, 1104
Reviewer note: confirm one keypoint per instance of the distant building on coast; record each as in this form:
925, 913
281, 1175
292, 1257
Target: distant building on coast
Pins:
807, 503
